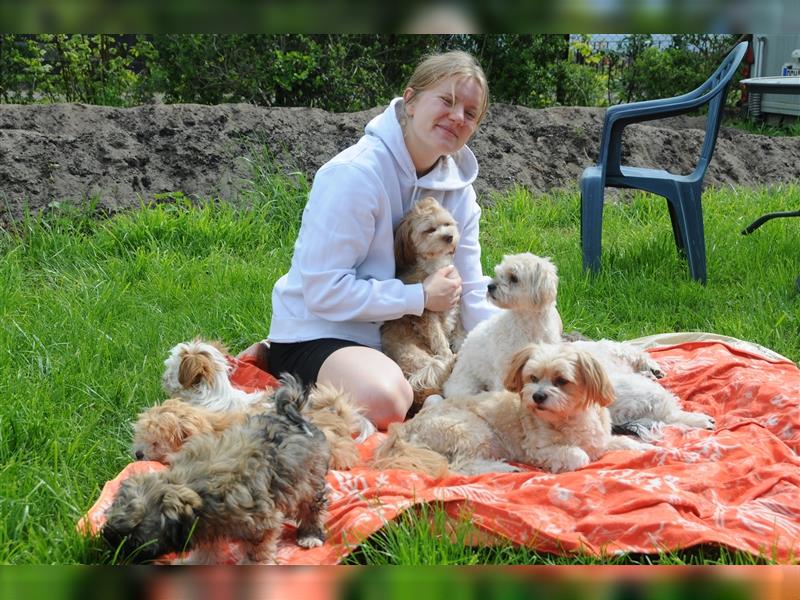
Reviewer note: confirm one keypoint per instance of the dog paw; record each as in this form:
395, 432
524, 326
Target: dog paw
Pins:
574, 458
698, 420
310, 541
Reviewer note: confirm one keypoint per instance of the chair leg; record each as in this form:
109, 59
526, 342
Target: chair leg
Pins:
689, 215
676, 229
592, 193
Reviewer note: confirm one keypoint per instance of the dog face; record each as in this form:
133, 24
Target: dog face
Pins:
164, 428
557, 381
194, 365
522, 281
428, 231
150, 517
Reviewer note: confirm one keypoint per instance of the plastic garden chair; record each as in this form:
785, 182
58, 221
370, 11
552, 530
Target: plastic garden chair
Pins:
681, 191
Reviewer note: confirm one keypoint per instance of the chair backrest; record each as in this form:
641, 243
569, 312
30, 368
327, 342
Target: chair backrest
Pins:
717, 88
712, 92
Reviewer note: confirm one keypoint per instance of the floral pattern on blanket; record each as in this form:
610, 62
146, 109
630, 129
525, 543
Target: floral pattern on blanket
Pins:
738, 486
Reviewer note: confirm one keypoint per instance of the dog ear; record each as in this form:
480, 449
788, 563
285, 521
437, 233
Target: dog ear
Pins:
598, 385
193, 369
404, 248
513, 378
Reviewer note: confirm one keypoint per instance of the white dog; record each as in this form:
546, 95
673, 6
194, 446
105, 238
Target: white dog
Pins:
198, 372
642, 405
552, 415
525, 285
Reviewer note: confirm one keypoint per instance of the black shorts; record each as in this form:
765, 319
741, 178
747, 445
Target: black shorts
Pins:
304, 359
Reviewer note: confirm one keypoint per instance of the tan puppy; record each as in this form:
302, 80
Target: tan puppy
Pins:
425, 241
553, 415
163, 429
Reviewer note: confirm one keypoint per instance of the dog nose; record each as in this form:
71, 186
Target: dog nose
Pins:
539, 397
139, 455
491, 287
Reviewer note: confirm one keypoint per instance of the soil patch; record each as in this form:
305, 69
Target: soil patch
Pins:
125, 156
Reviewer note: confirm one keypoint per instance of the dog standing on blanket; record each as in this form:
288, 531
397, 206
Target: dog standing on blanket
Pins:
241, 485
553, 414
425, 241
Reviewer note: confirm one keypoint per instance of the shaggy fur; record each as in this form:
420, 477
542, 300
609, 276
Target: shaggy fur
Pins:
197, 372
553, 414
240, 485
425, 241
525, 285
642, 405
163, 429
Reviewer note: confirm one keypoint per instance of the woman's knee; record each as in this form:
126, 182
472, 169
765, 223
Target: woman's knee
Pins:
386, 400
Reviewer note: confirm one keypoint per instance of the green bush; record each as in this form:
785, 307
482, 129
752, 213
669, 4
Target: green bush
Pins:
340, 72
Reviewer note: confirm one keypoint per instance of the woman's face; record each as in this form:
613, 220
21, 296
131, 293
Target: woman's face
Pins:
442, 119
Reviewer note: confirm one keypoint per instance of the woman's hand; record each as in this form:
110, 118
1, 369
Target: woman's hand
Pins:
442, 289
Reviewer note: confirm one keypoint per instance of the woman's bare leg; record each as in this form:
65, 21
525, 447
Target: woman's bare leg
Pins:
374, 381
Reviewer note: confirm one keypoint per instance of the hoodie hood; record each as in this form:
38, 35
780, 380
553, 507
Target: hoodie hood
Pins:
451, 172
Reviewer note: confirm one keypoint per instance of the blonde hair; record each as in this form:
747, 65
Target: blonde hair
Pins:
436, 67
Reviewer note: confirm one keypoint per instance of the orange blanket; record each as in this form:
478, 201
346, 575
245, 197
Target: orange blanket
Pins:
738, 486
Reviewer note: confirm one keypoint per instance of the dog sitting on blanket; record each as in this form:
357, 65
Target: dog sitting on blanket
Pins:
241, 485
423, 345
553, 414
525, 285
162, 430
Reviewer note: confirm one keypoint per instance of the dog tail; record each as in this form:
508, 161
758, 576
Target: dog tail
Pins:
290, 398
397, 453
329, 407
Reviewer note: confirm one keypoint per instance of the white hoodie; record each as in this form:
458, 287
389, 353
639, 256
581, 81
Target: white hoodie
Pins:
341, 282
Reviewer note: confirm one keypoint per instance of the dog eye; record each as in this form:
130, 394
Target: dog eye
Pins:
560, 381
534, 379
431, 230
513, 278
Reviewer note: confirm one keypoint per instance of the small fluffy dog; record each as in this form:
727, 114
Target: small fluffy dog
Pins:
422, 346
553, 414
525, 285
642, 405
197, 372
240, 485
163, 429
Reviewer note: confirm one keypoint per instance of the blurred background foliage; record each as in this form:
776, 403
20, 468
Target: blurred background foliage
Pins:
346, 72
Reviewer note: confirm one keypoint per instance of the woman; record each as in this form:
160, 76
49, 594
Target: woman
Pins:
328, 309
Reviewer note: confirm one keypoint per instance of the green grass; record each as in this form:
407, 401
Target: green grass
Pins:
89, 308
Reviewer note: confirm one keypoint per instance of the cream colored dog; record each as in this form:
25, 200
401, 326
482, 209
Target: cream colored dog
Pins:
422, 346
525, 285
553, 415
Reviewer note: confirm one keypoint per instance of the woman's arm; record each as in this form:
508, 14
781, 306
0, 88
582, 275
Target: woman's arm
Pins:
345, 258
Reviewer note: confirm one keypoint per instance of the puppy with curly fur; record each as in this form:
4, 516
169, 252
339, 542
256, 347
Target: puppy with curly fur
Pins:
553, 414
163, 429
525, 285
198, 372
241, 485
425, 241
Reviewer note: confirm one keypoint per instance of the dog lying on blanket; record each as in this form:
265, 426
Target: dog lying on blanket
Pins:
423, 345
553, 414
163, 429
241, 485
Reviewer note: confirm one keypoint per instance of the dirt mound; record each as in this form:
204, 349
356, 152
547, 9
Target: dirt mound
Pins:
123, 156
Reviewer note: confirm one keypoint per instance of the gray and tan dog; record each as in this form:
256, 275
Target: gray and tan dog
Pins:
241, 485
